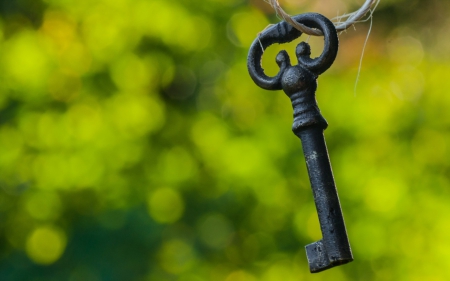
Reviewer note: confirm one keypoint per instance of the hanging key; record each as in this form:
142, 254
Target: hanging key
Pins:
299, 82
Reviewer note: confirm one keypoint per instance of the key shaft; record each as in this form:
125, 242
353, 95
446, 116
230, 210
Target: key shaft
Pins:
334, 248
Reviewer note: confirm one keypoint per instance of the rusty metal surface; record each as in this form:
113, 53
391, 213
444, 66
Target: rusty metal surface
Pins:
299, 82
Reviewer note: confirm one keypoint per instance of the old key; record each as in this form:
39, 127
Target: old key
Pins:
299, 83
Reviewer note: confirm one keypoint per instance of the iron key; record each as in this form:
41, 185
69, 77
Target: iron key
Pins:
299, 82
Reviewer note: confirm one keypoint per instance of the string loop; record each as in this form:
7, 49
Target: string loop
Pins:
351, 18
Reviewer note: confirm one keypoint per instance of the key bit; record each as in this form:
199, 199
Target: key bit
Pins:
299, 82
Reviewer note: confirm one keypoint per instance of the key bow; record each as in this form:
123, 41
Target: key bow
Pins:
284, 33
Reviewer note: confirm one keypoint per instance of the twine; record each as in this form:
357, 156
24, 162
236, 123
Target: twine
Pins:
350, 19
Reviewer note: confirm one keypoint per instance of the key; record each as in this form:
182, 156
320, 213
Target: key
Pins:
299, 82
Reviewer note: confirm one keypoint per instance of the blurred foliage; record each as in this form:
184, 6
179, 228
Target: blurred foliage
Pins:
134, 145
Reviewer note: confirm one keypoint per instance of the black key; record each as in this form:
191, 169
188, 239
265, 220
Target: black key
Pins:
299, 82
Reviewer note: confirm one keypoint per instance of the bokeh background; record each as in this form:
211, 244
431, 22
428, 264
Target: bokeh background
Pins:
134, 145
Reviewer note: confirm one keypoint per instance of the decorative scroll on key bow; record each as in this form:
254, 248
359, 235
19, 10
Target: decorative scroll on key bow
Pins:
299, 83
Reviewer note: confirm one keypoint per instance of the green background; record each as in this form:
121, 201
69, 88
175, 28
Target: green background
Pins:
135, 146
